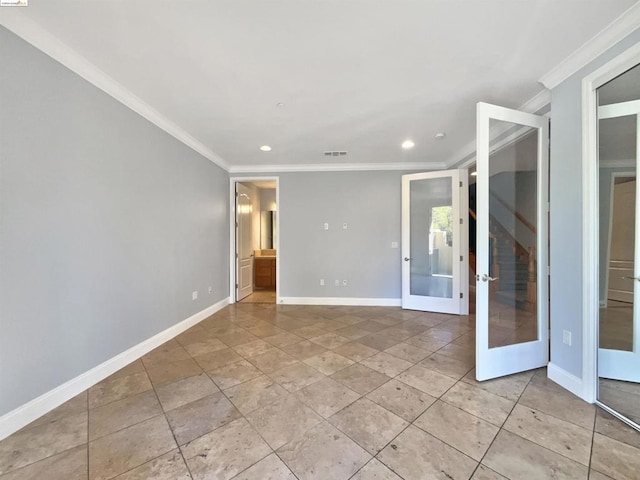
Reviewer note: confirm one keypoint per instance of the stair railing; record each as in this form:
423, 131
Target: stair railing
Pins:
526, 254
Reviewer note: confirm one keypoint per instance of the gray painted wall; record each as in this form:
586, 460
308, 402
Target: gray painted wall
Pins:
268, 199
369, 202
107, 224
566, 212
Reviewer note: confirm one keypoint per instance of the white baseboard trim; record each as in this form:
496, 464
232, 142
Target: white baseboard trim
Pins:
566, 380
25, 414
360, 302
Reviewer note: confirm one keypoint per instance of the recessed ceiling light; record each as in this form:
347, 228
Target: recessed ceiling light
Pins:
265, 148
440, 135
407, 144
474, 174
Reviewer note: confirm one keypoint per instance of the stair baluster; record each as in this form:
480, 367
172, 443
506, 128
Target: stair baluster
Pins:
532, 277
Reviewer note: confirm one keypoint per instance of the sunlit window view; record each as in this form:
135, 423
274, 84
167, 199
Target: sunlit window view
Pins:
432, 227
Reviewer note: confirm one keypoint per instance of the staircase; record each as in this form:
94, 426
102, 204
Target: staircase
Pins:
513, 264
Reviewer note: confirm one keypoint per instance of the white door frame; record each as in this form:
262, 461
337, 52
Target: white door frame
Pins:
232, 233
458, 304
590, 229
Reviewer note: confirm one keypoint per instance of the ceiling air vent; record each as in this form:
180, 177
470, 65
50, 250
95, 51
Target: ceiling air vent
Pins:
335, 153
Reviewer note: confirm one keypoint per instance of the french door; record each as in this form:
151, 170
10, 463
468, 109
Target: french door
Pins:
511, 252
619, 352
435, 242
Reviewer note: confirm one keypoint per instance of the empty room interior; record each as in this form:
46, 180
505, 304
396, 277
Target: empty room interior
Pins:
319, 240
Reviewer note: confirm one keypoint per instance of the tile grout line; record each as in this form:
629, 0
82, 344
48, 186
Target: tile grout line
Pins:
501, 427
409, 424
430, 434
255, 430
243, 416
593, 436
345, 407
164, 413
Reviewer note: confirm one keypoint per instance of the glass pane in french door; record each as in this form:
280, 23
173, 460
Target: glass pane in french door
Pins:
513, 213
617, 234
431, 241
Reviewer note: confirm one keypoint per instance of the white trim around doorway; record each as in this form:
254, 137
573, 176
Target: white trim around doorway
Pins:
590, 229
232, 234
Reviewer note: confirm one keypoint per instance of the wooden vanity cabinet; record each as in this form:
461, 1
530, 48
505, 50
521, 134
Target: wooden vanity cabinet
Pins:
264, 272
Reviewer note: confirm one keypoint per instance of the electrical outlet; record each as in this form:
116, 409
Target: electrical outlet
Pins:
194, 295
344, 283
394, 244
326, 226
337, 283
344, 226
322, 282
566, 337
210, 289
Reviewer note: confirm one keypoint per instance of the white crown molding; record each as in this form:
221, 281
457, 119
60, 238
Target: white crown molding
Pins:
630, 163
537, 102
337, 167
32, 33
27, 413
466, 155
608, 37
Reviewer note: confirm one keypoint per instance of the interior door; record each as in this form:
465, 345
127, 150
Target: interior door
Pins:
435, 242
244, 250
511, 250
619, 330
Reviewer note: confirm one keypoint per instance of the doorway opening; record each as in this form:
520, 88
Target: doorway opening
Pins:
254, 227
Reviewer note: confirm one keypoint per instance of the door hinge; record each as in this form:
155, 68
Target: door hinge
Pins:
461, 258
236, 224
236, 255
461, 221
460, 183
236, 285
461, 295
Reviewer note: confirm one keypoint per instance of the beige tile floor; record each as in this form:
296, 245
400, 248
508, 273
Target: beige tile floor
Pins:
266, 392
260, 296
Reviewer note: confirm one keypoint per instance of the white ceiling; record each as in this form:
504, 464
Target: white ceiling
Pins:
360, 76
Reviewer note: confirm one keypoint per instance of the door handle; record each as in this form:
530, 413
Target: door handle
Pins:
632, 278
406, 259
487, 278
